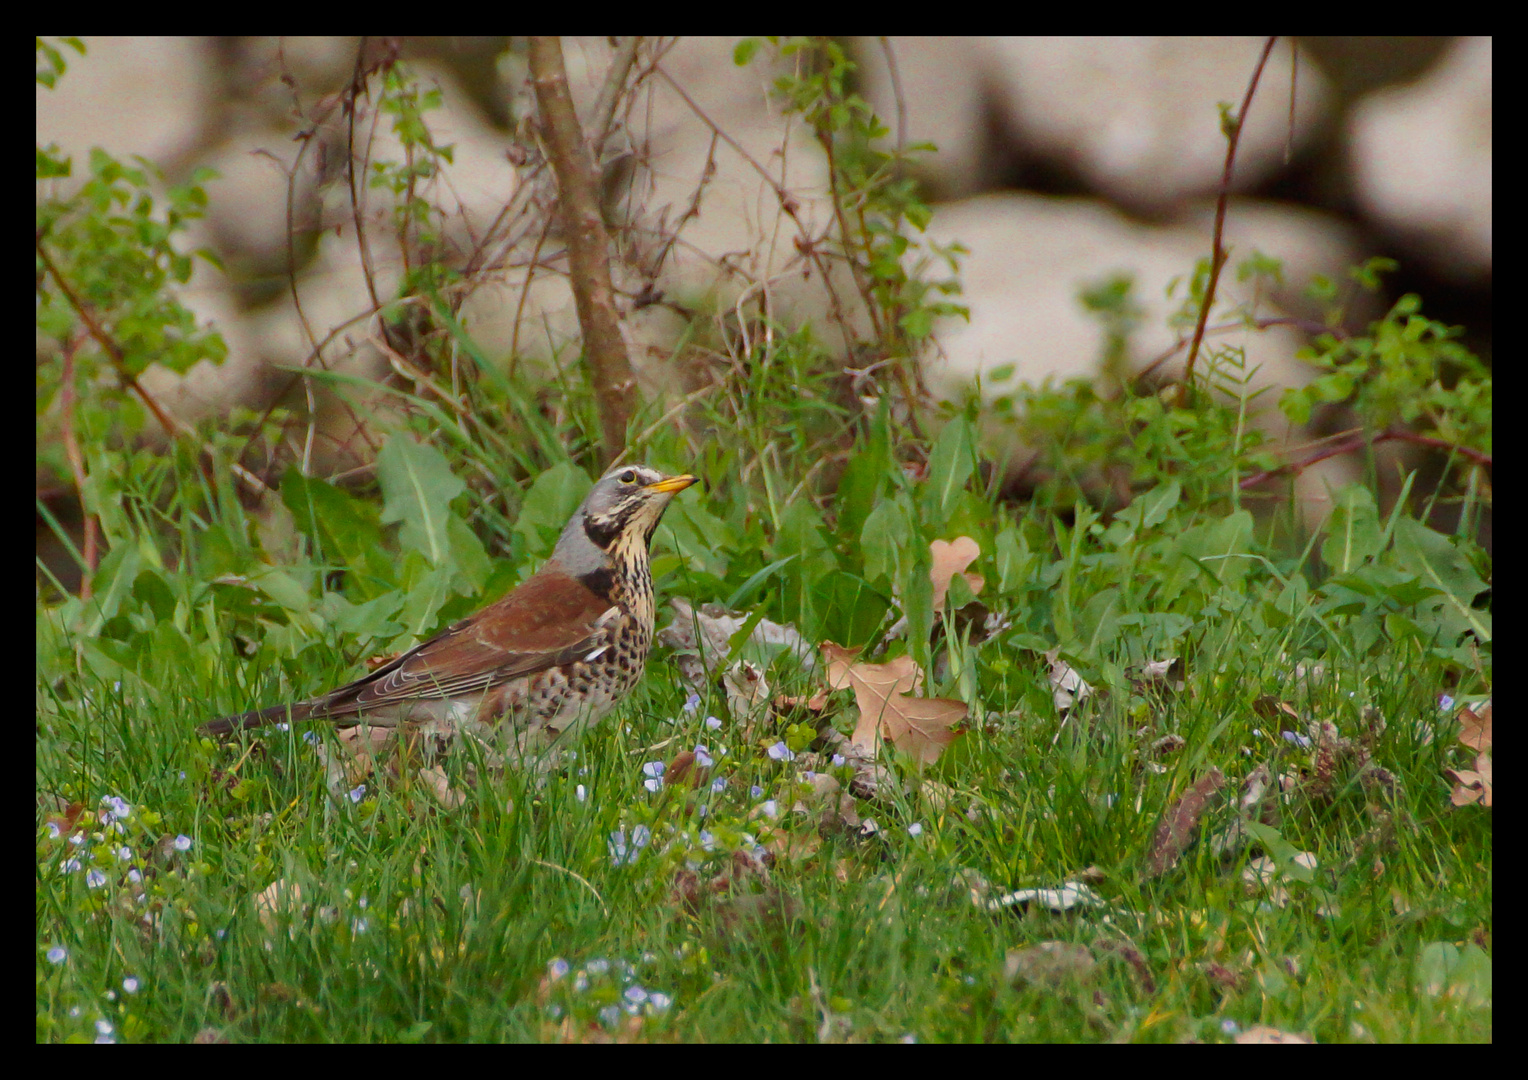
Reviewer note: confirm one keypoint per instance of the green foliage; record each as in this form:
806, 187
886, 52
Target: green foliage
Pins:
107, 254
880, 211
1407, 373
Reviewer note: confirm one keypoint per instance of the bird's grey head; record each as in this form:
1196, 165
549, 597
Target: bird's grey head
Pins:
627, 501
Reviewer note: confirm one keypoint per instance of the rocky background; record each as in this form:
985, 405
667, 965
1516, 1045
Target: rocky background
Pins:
1061, 163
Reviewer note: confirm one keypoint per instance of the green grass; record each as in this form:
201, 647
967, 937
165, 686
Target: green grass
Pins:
422, 923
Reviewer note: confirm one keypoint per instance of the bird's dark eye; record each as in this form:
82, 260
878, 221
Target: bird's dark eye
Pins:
628, 477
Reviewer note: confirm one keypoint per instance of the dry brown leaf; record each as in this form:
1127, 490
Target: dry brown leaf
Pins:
922, 727
948, 559
1179, 823
1474, 785
919, 726
1262, 1033
1050, 965
1067, 687
1475, 731
438, 784
791, 846
815, 703
900, 675
280, 896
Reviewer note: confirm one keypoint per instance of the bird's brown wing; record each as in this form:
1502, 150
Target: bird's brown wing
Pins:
549, 619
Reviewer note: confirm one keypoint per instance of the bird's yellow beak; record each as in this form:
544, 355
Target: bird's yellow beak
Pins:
673, 483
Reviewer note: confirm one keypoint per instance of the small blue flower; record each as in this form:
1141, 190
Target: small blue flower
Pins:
635, 994
719, 784
183, 842
655, 784
95, 879
580, 983
363, 902
57, 954
130, 985
124, 853
580, 793
838, 759
116, 806
755, 791
713, 723
53, 830
781, 752
360, 925
707, 839
691, 703
283, 726
1229, 1027
703, 756
134, 876
640, 835
1258, 733
616, 845
659, 1001
311, 738
1302, 741
915, 829
103, 1027
69, 866
1445, 702
654, 768
557, 969
358, 793
771, 808
597, 967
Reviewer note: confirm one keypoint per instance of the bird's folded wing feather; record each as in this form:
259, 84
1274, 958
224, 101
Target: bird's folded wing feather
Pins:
550, 619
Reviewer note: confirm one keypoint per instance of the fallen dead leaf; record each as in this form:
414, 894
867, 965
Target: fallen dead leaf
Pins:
949, 558
439, 785
1474, 785
1262, 1033
1049, 964
1475, 729
278, 897
922, 727
814, 703
1067, 687
1180, 822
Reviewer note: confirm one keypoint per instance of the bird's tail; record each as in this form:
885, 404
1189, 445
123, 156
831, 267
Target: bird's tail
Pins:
276, 714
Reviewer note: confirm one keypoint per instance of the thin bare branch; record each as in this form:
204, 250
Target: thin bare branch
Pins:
1218, 254
602, 120
588, 244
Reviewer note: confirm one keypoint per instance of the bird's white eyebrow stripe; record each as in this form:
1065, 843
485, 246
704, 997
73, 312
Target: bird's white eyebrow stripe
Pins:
596, 654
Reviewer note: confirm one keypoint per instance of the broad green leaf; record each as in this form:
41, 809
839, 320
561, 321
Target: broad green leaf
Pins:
548, 505
885, 540
950, 465
1015, 562
1353, 533
417, 488
1438, 563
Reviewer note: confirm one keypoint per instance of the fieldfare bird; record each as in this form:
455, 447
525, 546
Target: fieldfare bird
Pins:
546, 661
